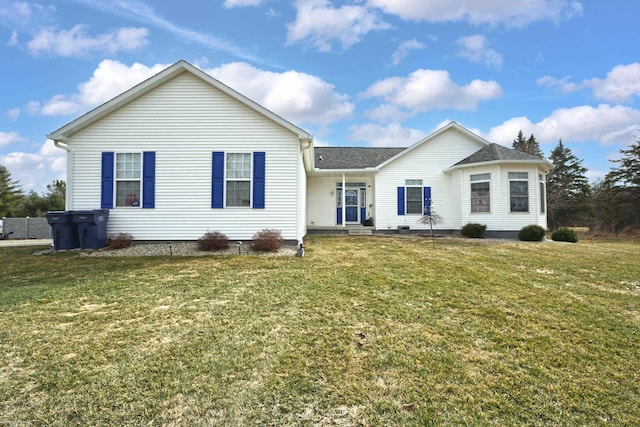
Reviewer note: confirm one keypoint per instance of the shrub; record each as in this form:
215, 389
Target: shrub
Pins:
474, 230
120, 241
564, 234
213, 241
267, 240
532, 233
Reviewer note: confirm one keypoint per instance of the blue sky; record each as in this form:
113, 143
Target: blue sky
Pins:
355, 73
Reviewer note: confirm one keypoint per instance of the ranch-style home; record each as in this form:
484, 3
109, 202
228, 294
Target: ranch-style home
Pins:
181, 154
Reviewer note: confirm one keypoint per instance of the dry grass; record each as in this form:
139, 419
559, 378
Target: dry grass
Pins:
362, 331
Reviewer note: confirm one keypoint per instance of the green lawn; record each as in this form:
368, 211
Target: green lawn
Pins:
362, 331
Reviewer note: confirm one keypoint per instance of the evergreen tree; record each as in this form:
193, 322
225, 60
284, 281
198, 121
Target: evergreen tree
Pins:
624, 185
10, 193
55, 196
529, 146
568, 190
520, 143
533, 147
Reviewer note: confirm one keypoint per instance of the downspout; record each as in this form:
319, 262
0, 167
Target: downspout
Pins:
69, 184
307, 165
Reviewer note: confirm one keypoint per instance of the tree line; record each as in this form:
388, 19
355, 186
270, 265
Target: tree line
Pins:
611, 204
15, 203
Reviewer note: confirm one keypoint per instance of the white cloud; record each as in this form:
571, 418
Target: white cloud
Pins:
76, 41
14, 113
321, 25
387, 113
392, 135
13, 40
110, 79
139, 10
563, 85
7, 138
474, 48
404, 49
424, 90
299, 97
240, 3
605, 124
509, 13
621, 84
34, 170
17, 12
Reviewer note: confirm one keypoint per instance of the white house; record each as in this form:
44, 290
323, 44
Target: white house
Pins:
181, 154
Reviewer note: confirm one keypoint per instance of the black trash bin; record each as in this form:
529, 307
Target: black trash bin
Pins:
92, 228
63, 230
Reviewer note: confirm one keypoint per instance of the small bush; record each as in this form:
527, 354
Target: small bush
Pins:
213, 241
564, 234
474, 230
267, 240
532, 233
120, 241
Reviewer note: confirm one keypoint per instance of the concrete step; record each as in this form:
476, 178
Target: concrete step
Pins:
360, 232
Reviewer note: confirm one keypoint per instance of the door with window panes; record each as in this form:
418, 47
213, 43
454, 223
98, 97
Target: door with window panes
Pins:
354, 203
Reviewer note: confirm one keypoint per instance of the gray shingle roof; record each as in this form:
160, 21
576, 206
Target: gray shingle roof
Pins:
352, 157
493, 152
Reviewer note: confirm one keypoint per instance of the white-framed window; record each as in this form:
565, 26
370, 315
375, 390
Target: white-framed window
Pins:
543, 196
128, 178
481, 192
414, 197
519, 191
238, 180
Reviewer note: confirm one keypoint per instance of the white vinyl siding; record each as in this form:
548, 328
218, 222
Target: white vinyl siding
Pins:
184, 121
427, 161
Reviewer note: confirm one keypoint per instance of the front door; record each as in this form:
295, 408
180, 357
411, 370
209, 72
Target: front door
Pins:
351, 205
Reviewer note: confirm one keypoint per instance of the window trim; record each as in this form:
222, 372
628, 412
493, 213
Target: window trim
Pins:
117, 180
480, 178
513, 178
250, 180
413, 183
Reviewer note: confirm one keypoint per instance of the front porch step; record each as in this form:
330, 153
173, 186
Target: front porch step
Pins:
360, 232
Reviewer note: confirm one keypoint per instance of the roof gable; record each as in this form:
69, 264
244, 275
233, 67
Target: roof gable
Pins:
153, 82
450, 126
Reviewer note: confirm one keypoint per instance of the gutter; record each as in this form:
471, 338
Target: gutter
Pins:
62, 145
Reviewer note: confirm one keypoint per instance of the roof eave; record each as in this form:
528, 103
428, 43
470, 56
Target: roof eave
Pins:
540, 162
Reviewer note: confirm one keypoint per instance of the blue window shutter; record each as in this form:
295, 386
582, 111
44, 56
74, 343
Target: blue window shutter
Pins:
339, 216
106, 188
400, 200
217, 180
427, 200
149, 179
258, 179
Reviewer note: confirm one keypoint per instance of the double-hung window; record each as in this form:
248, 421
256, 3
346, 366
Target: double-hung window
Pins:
238, 180
481, 192
128, 178
413, 188
519, 191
